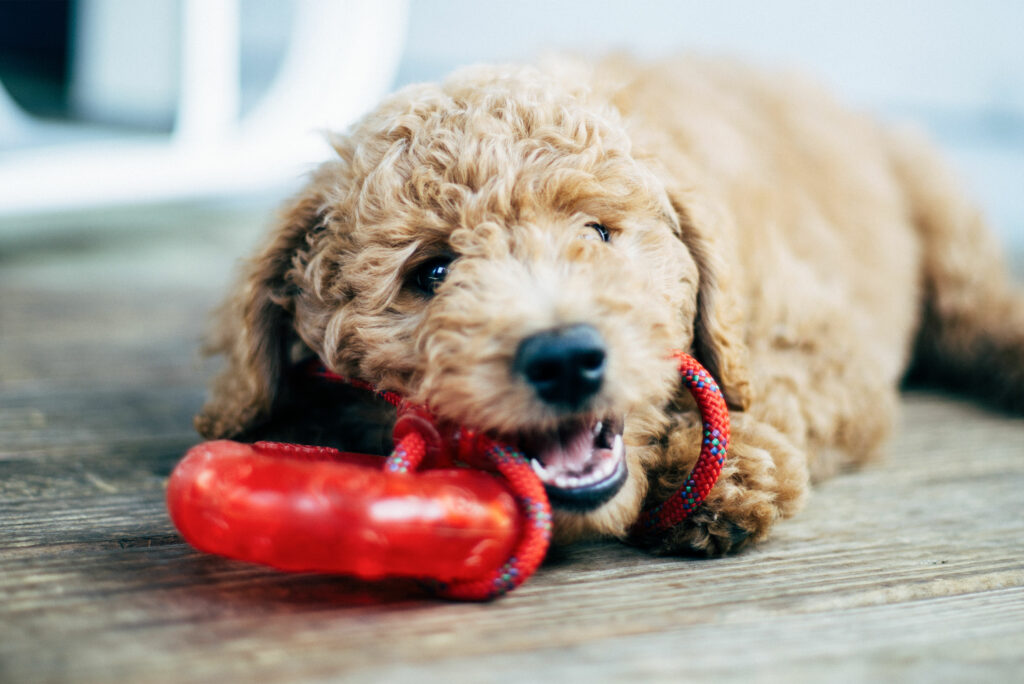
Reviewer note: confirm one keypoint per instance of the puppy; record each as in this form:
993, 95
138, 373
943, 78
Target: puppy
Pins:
520, 248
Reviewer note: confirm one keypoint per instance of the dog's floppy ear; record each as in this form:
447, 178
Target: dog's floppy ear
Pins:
717, 332
254, 331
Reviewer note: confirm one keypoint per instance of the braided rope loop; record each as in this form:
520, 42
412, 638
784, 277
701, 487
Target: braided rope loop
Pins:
407, 454
714, 416
532, 546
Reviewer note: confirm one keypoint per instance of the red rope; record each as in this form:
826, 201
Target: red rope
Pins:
530, 496
321, 371
714, 416
413, 445
532, 546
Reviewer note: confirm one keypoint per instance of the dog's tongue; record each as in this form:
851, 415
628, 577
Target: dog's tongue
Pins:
582, 464
571, 451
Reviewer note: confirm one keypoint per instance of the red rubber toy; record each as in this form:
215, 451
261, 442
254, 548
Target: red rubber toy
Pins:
319, 510
477, 535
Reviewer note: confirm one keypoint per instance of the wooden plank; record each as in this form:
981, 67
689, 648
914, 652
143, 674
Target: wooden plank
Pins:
914, 555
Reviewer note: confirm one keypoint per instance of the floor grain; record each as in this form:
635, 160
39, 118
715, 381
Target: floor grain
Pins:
909, 569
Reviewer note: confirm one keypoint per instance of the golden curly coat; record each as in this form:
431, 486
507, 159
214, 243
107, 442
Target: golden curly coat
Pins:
803, 253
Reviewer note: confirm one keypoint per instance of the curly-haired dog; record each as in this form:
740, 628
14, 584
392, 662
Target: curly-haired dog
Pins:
520, 248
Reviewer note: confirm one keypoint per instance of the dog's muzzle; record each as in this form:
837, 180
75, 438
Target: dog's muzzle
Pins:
582, 461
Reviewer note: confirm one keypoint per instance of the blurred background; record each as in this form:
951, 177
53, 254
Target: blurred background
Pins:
148, 141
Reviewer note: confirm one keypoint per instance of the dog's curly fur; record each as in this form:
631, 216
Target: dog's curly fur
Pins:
806, 255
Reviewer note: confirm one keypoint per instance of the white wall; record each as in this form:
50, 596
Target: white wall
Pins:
955, 66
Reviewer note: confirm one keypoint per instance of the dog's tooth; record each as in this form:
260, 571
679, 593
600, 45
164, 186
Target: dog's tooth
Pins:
538, 468
598, 427
610, 465
618, 449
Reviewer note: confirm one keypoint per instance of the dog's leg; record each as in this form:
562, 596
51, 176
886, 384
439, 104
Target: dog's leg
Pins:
813, 414
972, 332
764, 479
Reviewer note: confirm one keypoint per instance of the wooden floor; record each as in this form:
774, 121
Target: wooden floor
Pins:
909, 570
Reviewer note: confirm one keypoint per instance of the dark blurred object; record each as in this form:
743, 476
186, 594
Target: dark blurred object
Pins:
35, 54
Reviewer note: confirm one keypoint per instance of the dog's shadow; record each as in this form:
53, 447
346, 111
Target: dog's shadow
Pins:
164, 565
161, 567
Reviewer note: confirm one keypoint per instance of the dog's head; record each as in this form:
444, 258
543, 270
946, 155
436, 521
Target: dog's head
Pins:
494, 249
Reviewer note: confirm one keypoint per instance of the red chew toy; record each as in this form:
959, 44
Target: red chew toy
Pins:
307, 508
313, 509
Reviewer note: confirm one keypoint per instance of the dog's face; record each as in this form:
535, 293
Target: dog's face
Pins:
495, 252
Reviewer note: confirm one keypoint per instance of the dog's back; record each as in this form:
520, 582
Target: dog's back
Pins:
848, 242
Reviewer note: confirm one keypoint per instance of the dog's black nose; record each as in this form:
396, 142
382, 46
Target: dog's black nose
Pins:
565, 366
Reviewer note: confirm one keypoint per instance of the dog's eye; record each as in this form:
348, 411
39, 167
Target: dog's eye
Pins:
428, 275
600, 233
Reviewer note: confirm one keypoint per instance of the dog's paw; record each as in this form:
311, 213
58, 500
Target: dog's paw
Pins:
705, 534
764, 479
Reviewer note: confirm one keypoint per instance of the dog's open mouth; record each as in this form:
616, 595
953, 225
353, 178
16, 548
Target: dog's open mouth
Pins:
581, 463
